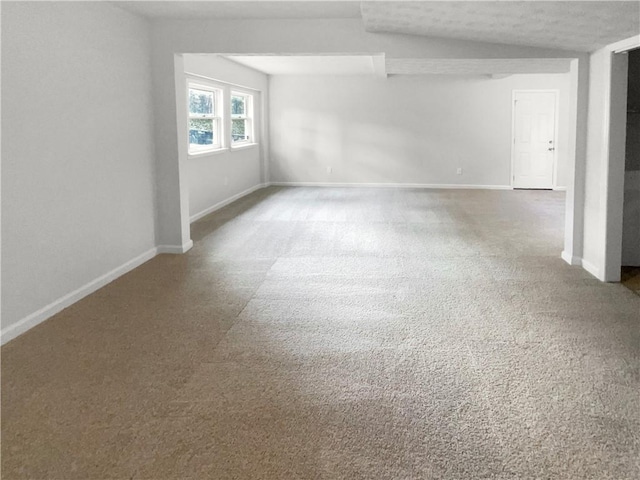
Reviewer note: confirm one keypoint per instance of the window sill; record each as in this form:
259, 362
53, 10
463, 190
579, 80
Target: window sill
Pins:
243, 146
206, 153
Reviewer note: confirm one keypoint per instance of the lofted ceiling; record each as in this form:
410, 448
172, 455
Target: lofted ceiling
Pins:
308, 64
568, 25
563, 25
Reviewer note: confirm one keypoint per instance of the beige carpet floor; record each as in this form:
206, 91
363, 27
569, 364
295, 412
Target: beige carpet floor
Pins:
631, 278
339, 334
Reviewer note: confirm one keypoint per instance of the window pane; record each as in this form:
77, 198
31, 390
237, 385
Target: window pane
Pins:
200, 102
200, 131
238, 130
237, 105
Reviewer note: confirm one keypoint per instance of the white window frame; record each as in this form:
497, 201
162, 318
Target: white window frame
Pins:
218, 119
247, 117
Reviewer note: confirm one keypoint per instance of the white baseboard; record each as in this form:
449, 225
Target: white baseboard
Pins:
30, 321
226, 202
571, 259
393, 185
175, 249
591, 268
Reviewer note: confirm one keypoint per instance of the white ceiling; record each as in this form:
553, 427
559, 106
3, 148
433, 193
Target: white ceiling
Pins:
475, 66
241, 9
308, 64
568, 25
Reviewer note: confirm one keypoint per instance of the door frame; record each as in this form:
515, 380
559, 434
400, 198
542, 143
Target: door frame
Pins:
556, 116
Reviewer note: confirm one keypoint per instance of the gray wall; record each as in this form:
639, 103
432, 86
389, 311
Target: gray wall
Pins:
216, 177
633, 116
416, 129
631, 220
171, 37
77, 152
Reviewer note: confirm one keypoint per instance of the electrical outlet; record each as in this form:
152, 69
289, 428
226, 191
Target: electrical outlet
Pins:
329, 169
459, 171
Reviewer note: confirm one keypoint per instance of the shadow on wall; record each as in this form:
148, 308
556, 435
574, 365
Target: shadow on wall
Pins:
631, 219
362, 151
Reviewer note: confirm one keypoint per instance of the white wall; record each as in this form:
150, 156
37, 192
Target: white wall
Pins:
605, 163
401, 129
593, 250
171, 37
214, 178
77, 151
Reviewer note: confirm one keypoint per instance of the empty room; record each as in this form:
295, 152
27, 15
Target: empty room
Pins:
320, 239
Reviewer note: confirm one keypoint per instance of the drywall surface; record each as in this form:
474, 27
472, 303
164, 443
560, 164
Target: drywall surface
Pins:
595, 190
215, 178
605, 162
77, 150
575, 167
614, 178
171, 37
418, 129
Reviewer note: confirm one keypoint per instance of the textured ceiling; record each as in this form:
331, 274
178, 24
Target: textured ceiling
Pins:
241, 9
474, 66
569, 25
308, 64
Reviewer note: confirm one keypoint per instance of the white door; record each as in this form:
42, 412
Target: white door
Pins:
534, 140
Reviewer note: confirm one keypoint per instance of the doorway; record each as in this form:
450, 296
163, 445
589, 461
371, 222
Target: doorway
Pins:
631, 208
534, 136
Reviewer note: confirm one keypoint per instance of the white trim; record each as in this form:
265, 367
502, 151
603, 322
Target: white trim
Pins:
207, 153
225, 202
560, 189
612, 169
625, 45
591, 268
30, 321
243, 146
392, 185
175, 249
571, 260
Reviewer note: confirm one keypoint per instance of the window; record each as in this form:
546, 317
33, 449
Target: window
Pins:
241, 124
219, 116
204, 121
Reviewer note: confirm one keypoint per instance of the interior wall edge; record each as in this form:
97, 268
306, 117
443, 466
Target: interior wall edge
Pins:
21, 326
571, 259
226, 202
591, 268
